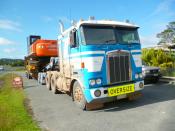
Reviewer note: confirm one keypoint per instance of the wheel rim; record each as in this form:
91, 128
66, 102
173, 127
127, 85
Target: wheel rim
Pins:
78, 95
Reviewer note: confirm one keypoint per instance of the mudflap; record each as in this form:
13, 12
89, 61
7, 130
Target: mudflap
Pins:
94, 106
134, 96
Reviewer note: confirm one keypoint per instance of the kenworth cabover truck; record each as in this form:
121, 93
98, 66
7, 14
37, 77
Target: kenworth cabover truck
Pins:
39, 53
99, 60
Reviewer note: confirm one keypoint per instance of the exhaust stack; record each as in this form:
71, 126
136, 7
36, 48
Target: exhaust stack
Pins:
91, 18
61, 26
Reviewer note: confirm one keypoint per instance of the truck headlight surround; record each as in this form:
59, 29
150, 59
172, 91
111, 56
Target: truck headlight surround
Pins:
98, 81
92, 82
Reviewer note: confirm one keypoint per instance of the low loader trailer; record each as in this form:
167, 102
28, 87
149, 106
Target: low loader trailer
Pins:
53, 65
99, 61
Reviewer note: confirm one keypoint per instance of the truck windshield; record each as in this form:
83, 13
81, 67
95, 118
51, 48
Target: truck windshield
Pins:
127, 35
109, 35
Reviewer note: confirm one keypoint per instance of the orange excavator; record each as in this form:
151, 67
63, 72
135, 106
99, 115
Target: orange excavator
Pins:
39, 53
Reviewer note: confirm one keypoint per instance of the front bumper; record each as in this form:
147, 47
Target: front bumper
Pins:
151, 76
89, 93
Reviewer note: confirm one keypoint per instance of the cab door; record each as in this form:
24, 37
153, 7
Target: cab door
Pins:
75, 57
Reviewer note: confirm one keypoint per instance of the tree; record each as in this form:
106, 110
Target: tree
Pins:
167, 37
159, 58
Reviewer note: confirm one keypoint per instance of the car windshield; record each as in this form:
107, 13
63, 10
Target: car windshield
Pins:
109, 35
144, 63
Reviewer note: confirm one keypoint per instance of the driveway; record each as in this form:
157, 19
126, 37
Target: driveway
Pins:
154, 111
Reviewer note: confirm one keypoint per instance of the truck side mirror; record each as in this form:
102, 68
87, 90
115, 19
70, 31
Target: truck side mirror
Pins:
73, 38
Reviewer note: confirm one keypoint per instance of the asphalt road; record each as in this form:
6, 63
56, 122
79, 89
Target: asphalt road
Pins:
154, 111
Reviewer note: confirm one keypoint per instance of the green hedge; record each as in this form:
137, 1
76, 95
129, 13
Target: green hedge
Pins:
158, 58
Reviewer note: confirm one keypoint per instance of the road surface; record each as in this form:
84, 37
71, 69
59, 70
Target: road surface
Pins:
155, 111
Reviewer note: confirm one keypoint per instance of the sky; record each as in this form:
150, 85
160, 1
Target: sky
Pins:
21, 18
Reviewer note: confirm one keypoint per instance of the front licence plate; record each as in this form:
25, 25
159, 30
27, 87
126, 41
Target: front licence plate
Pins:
155, 74
120, 90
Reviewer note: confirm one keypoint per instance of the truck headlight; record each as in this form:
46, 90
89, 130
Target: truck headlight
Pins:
92, 82
98, 81
136, 76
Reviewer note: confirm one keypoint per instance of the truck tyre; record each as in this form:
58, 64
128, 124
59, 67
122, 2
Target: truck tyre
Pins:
39, 78
78, 96
28, 76
53, 84
48, 81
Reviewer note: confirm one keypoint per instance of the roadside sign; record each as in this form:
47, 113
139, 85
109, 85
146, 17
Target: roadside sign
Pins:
17, 82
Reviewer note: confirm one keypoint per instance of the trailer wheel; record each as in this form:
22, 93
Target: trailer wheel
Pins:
54, 84
48, 81
28, 76
78, 97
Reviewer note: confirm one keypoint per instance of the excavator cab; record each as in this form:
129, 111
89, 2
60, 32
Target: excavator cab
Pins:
30, 40
33, 38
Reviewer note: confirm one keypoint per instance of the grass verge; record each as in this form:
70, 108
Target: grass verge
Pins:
13, 113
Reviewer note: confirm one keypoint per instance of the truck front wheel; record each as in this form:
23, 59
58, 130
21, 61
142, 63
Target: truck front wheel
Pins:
78, 97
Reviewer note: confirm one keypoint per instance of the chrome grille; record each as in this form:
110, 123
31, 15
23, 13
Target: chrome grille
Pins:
119, 67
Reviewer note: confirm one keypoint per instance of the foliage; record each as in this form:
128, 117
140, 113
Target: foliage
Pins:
159, 58
168, 72
12, 62
13, 114
168, 35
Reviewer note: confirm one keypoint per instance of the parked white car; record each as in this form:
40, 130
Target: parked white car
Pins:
1, 68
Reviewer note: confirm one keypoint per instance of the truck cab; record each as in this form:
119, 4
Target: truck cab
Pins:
101, 59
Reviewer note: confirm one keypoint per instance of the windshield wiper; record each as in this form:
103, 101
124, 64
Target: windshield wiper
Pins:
132, 41
107, 41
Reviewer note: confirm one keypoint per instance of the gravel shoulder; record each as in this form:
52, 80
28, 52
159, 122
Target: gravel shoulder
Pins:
153, 112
